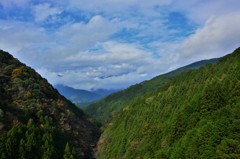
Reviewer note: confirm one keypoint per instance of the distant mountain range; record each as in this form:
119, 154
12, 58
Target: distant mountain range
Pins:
82, 97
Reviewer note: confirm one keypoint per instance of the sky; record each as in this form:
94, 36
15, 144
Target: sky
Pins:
112, 44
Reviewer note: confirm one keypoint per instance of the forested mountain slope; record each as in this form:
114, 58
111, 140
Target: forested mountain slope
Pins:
103, 109
196, 115
36, 121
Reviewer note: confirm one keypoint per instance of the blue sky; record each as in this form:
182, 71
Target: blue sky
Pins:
113, 44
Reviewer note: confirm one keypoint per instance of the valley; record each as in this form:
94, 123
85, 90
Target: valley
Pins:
192, 112
119, 79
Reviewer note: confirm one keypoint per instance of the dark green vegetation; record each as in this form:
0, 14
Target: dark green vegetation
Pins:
82, 97
36, 121
194, 115
104, 109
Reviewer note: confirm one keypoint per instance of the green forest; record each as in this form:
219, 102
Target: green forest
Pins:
195, 115
192, 112
36, 122
104, 109
31, 141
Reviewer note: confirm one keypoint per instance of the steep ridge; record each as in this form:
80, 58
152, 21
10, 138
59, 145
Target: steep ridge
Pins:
196, 115
36, 121
103, 109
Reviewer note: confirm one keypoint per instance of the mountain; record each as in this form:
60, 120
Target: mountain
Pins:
77, 96
82, 97
104, 92
194, 115
36, 121
103, 109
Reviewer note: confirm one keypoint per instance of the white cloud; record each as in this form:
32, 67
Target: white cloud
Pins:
45, 10
83, 35
217, 37
17, 36
84, 51
200, 10
116, 66
116, 6
36, 46
14, 3
79, 51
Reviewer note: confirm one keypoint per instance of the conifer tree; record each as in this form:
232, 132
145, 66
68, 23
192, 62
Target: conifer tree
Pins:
67, 152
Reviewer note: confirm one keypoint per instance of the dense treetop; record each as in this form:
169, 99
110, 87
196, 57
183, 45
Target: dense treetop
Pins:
35, 120
195, 115
104, 109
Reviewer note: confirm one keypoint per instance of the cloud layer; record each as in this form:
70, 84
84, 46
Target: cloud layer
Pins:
113, 44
